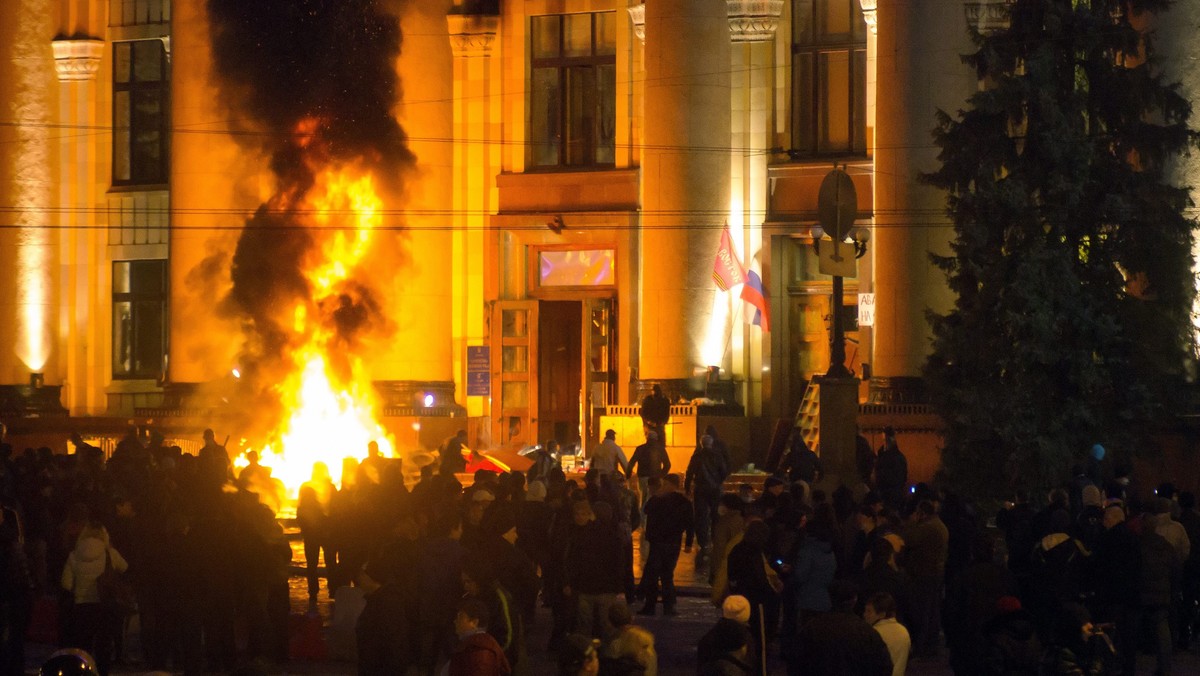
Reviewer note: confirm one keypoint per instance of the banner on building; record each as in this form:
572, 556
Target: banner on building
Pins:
728, 271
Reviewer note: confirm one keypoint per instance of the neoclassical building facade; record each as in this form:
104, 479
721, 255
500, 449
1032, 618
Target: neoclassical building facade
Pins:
576, 164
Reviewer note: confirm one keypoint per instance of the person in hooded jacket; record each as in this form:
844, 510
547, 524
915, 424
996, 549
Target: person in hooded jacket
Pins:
1058, 562
93, 625
476, 653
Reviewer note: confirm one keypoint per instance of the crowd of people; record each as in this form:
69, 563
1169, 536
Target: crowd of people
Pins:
809, 577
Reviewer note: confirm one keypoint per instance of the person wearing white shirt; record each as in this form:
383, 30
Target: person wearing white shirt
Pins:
880, 613
608, 455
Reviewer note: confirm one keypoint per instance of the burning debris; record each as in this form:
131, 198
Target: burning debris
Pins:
311, 84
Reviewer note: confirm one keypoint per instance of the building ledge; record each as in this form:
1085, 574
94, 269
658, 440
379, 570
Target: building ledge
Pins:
563, 191
794, 188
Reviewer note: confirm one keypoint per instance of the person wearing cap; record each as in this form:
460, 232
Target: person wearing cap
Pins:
578, 656
608, 456
735, 617
1010, 641
1115, 564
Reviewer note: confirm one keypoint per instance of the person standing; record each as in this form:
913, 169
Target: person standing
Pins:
864, 458
452, 460
650, 460
477, 653
545, 462
93, 625
705, 476
840, 643
801, 463
880, 613
382, 631
891, 471
668, 515
656, 410
608, 456
927, 543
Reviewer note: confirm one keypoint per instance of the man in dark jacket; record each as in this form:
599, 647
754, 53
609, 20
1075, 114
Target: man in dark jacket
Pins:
840, 643
656, 410
593, 569
1115, 564
668, 515
452, 460
891, 471
705, 475
477, 653
382, 631
1157, 580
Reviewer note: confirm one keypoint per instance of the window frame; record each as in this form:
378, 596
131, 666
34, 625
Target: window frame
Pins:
138, 175
813, 102
564, 66
135, 297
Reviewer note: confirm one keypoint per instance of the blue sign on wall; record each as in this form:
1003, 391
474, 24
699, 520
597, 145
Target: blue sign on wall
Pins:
479, 371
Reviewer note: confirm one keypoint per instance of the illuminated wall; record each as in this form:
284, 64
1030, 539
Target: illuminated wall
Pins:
28, 293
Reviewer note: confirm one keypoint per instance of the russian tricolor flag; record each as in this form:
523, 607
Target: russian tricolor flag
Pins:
753, 293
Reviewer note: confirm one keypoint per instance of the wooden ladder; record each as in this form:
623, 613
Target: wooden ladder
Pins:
808, 418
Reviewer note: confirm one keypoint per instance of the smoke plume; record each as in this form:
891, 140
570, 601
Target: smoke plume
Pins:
310, 84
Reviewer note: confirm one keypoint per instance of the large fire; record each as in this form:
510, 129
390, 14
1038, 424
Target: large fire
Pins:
330, 403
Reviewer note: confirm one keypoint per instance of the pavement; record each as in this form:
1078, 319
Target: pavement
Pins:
675, 637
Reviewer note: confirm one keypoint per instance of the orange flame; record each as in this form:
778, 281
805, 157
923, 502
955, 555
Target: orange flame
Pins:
332, 412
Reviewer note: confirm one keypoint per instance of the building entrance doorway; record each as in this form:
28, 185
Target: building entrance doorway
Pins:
552, 369
560, 370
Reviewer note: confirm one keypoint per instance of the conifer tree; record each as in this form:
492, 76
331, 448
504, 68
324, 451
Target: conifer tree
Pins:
1071, 260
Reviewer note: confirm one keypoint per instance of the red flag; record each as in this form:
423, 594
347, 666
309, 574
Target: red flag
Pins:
727, 269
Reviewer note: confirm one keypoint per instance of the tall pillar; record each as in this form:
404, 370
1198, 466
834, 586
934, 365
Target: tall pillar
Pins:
686, 184
420, 361
918, 72
473, 41
28, 246
752, 26
1175, 40
214, 186
81, 252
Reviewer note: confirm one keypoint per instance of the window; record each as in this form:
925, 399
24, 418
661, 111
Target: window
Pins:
139, 113
573, 100
139, 336
829, 77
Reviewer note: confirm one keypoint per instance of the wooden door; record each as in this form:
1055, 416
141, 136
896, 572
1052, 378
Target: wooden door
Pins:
514, 377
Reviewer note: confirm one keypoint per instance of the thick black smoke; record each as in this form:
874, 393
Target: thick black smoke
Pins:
282, 62
311, 84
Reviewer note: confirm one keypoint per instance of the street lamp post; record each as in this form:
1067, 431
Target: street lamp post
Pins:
837, 208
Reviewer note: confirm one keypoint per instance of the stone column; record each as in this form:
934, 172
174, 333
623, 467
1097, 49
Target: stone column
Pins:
918, 72
752, 28
420, 360
685, 172
214, 185
29, 240
85, 361
473, 40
